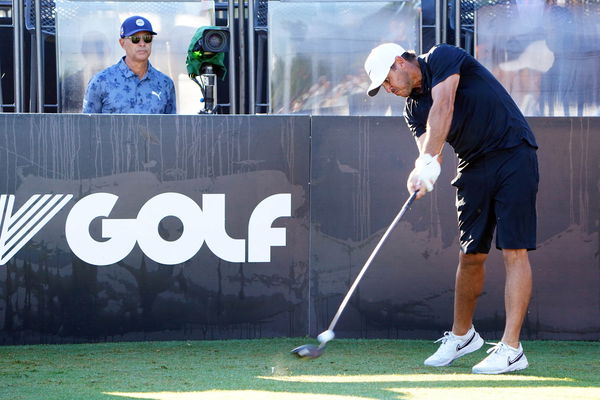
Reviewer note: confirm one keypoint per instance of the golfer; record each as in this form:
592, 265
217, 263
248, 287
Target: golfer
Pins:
452, 98
132, 86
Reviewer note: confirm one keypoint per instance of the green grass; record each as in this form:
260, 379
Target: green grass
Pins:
264, 369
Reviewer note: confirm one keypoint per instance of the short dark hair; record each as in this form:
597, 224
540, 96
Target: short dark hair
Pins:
409, 55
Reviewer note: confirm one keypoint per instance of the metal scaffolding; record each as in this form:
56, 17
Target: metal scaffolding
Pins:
249, 68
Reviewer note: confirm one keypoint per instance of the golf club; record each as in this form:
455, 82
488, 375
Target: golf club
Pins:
312, 351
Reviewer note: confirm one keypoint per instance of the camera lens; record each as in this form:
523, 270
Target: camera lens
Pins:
215, 41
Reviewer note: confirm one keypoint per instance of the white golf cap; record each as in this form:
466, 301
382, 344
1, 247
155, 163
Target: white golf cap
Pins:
379, 62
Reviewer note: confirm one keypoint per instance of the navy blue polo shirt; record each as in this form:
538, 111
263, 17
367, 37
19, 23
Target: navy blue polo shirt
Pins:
485, 117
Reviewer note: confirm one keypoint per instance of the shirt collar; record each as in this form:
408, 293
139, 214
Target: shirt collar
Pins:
129, 73
425, 80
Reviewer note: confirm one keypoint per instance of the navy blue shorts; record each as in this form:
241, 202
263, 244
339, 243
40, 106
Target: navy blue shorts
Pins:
498, 191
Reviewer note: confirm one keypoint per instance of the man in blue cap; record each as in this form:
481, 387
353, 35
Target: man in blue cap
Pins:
132, 86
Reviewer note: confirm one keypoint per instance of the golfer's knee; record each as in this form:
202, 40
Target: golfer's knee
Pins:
475, 260
515, 256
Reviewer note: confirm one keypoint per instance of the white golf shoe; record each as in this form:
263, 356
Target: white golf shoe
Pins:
502, 358
454, 347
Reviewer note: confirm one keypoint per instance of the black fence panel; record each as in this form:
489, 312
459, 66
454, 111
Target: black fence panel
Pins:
170, 227
358, 180
214, 270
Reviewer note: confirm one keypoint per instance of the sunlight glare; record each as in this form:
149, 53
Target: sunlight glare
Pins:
407, 378
497, 393
235, 395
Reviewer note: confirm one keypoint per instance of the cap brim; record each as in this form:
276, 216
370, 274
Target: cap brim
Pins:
133, 32
376, 84
373, 91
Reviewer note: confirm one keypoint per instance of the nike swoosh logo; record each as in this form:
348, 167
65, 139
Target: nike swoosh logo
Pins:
465, 344
517, 358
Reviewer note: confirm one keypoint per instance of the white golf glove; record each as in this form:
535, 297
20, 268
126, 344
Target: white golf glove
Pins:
427, 170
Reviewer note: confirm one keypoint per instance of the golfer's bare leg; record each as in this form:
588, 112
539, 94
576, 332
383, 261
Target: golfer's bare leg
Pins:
517, 292
470, 277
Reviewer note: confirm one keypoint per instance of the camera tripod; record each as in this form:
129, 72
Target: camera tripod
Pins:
208, 87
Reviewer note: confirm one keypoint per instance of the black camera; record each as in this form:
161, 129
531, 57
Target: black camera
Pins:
206, 60
213, 40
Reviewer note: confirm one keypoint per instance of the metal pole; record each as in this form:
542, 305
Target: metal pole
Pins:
474, 33
421, 32
269, 98
457, 23
438, 20
232, 80
260, 78
251, 60
444, 21
18, 53
39, 56
242, 56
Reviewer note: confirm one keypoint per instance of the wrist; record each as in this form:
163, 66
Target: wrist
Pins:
425, 159
427, 170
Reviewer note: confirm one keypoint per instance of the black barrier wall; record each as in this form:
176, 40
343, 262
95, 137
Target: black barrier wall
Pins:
150, 167
173, 227
358, 184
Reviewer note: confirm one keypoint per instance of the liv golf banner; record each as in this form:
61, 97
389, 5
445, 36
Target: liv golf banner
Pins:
121, 235
153, 226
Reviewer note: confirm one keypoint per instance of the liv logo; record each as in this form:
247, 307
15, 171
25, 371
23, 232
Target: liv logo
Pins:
119, 236
19, 228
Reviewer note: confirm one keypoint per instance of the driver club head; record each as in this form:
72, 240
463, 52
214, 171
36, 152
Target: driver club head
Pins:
308, 351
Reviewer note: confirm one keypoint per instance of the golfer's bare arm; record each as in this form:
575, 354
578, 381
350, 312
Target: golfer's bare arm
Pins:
440, 117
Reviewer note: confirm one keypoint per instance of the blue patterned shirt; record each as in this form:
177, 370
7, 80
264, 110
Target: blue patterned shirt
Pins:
117, 90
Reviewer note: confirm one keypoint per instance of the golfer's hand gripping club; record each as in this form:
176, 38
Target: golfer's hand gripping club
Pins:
424, 175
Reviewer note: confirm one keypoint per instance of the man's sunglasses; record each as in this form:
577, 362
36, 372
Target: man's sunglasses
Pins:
136, 39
